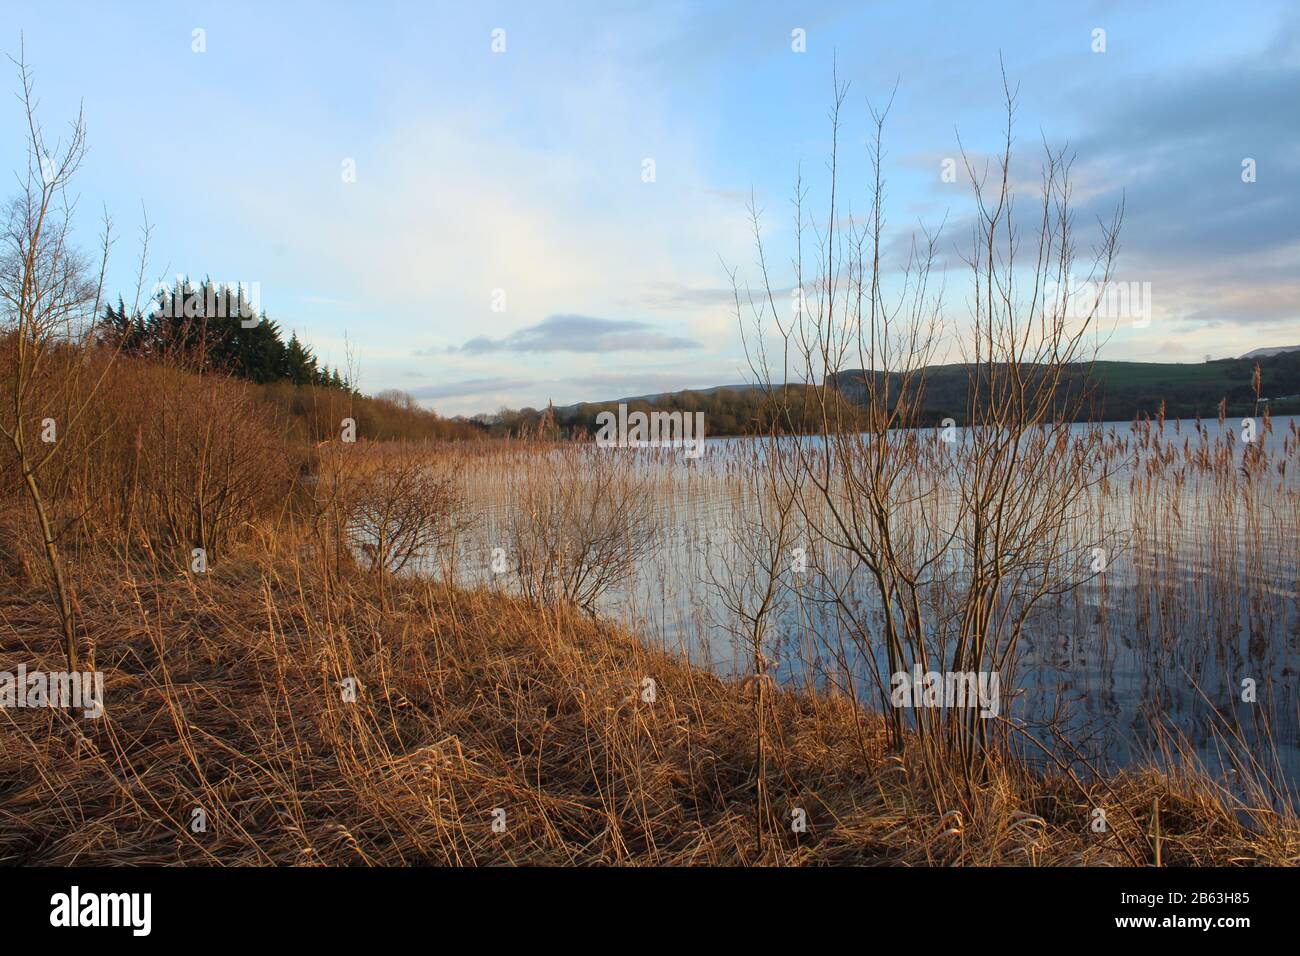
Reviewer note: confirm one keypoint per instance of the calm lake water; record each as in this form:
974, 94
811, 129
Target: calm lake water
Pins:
1199, 594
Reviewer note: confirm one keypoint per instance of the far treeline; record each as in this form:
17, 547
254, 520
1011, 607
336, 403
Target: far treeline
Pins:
1117, 392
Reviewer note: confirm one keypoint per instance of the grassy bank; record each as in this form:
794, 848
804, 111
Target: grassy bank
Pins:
225, 693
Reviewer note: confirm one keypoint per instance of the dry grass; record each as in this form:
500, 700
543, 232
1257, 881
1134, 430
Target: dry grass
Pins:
224, 693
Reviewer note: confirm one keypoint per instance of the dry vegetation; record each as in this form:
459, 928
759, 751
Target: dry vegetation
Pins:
578, 527
225, 692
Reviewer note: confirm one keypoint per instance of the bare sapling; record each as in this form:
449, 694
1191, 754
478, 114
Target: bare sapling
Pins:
960, 532
49, 296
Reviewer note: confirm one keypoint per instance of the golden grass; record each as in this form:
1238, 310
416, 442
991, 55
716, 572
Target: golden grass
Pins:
224, 693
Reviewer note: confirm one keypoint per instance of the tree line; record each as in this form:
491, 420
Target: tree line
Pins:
215, 327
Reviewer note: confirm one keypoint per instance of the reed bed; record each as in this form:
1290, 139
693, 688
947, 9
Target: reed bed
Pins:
1196, 591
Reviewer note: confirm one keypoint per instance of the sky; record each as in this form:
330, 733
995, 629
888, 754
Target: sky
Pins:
479, 226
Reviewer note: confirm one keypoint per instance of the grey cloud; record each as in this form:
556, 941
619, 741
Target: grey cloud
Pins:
638, 382
1227, 249
579, 333
469, 387
672, 295
1218, 251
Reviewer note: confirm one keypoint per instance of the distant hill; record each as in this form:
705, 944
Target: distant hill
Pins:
1275, 350
658, 396
1121, 391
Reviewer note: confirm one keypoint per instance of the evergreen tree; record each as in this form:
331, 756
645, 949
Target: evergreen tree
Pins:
300, 367
122, 331
215, 329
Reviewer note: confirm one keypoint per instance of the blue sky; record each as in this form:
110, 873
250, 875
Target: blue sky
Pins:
521, 172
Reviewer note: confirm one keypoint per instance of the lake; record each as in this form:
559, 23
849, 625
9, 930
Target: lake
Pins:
1186, 636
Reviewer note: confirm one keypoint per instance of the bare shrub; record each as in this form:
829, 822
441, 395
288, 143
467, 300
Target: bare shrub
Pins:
400, 510
202, 476
961, 540
580, 527
753, 580
49, 295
